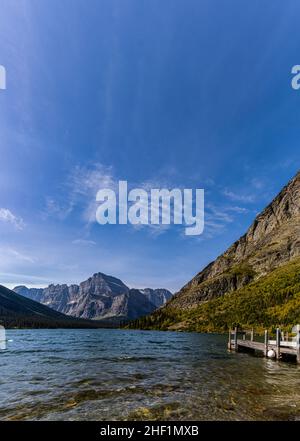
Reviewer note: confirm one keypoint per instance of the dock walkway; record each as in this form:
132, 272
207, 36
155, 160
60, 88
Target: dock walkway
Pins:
283, 348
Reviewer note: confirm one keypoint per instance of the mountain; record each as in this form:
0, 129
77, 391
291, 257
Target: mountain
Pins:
156, 296
99, 297
254, 282
18, 311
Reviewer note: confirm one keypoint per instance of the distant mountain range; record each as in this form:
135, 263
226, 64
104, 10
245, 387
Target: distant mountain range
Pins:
101, 297
256, 282
17, 311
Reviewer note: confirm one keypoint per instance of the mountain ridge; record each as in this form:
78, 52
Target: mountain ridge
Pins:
100, 297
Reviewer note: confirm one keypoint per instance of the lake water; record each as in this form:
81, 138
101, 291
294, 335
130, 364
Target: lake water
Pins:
135, 375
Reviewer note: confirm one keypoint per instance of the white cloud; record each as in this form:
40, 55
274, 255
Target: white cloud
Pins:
59, 210
219, 214
84, 180
237, 209
79, 190
20, 256
8, 217
217, 218
238, 196
11, 280
12, 255
257, 183
84, 242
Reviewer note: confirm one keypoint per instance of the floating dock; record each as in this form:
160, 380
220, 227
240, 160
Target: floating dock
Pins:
286, 347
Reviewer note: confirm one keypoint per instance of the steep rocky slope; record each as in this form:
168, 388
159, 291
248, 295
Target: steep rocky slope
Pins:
157, 297
272, 242
99, 297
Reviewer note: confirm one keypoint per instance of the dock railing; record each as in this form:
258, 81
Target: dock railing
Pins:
283, 346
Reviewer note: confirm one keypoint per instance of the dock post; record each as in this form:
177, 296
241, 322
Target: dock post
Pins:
235, 339
229, 340
277, 343
266, 342
252, 334
298, 343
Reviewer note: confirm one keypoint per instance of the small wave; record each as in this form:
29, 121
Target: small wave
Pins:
32, 351
135, 358
157, 342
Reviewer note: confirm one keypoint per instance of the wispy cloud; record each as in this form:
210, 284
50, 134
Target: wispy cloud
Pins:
240, 197
8, 217
79, 191
219, 217
237, 209
11, 280
258, 183
84, 242
12, 255
219, 214
56, 209
215, 222
20, 256
83, 180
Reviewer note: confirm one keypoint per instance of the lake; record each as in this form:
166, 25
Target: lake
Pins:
115, 374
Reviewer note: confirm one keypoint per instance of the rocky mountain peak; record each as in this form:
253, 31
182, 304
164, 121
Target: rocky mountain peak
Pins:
100, 284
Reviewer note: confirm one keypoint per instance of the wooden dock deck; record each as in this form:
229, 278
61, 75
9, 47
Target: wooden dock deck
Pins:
283, 348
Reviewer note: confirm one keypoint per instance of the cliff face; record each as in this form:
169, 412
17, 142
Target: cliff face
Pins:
272, 240
99, 297
157, 297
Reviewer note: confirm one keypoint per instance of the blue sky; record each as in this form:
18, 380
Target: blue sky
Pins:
173, 93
